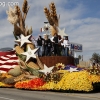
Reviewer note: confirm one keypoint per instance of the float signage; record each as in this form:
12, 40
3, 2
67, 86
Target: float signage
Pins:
76, 47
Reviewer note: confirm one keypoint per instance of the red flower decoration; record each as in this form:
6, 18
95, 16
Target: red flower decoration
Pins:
31, 84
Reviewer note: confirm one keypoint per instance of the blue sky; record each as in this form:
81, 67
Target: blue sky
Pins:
80, 18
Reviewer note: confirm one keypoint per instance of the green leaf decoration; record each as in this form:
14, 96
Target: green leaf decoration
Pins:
34, 72
22, 57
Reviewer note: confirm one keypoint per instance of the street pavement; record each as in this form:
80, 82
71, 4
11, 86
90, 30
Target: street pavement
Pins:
15, 94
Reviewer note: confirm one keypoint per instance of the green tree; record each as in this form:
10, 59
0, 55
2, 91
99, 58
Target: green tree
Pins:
79, 57
95, 57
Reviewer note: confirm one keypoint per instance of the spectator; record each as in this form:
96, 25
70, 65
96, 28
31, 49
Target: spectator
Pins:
47, 44
66, 45
56, 45
39, 45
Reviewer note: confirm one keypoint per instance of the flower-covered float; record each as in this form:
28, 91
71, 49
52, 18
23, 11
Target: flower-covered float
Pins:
36, 73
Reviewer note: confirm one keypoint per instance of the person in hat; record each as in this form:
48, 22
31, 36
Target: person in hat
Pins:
47, 44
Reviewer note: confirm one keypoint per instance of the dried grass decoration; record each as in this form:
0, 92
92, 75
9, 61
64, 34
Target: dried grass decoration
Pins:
52, 18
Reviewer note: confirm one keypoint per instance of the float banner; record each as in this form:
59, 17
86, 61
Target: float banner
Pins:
76, 47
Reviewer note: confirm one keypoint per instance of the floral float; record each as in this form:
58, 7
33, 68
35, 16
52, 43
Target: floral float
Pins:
31, 73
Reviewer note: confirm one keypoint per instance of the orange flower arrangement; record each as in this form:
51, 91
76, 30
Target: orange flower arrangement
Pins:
33, 84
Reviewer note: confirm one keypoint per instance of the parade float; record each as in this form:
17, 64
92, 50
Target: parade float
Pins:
30, 72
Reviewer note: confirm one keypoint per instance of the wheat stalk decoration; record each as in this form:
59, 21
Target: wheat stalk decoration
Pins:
17, 18
52, 17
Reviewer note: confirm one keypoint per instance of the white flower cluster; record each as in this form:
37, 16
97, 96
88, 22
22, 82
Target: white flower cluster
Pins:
12, 15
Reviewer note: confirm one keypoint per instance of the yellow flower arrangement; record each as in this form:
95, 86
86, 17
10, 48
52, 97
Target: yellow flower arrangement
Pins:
71, 81
94, 78
77, 81
5, 85
2, 84
48, 86
60, 83
5, 75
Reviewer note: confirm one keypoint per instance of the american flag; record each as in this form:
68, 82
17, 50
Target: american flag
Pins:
8, 60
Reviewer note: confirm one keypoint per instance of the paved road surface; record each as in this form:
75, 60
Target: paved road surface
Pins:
15, 94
